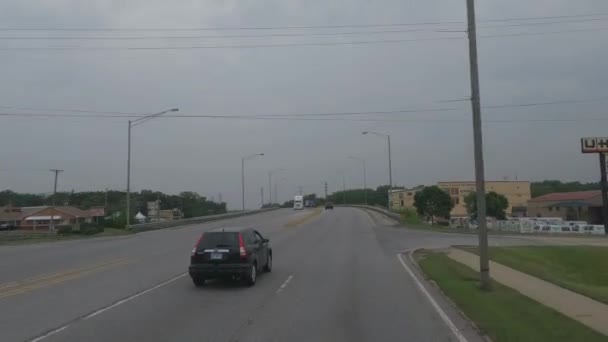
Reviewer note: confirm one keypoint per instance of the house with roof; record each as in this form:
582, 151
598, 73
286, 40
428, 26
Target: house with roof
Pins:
39, 218
571, 206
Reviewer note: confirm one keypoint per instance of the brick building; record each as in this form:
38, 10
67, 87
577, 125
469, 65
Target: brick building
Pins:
39, 218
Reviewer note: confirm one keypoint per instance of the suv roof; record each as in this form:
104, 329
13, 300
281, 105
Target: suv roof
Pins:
229, 230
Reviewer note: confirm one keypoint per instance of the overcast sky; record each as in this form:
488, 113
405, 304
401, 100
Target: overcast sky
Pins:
204, 155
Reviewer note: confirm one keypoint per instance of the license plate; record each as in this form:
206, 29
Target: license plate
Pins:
216, 256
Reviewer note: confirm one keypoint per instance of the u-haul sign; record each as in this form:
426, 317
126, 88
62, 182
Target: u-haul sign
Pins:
594, 145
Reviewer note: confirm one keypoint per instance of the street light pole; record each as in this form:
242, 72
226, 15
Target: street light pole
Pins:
133, 123
52, 222
243, 176
243, 183
269, 187
390, 164
484, 263
364, 177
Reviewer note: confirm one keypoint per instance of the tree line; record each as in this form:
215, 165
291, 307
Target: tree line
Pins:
190, 203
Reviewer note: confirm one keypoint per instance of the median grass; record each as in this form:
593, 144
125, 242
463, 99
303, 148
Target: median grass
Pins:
582, 269
502, 314
26, 237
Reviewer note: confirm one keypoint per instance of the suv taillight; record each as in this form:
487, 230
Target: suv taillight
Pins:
242, 250
196, 246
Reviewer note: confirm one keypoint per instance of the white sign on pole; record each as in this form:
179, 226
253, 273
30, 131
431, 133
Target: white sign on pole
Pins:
594, 145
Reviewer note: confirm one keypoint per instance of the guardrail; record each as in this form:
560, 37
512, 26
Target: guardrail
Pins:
144, 227
381, 210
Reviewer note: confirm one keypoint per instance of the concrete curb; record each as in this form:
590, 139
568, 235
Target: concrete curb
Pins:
410, 255
389, 214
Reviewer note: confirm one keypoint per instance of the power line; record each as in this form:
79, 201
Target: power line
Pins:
148, 48
364, 42
577, 119
544, 17
543, 33
226, 36
545, 23
304, 27
115, 114
308, 34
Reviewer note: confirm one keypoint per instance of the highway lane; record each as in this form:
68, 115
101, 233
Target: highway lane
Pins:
336, 278
333, 280
45, 286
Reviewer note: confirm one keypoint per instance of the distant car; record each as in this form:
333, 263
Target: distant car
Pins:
230, 253
329, 205
7, 226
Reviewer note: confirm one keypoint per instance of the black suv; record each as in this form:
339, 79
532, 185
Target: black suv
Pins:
234, 253
329, 205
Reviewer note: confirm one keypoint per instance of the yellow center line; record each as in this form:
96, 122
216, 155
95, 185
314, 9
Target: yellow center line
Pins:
304, 218
11, 289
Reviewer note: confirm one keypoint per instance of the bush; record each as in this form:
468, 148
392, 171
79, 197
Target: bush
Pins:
90, 228
409, 215
64, 230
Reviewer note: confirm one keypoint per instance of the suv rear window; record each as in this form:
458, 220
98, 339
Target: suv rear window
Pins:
219, 239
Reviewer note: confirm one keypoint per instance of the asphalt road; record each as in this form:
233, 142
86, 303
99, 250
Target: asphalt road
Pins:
336, 277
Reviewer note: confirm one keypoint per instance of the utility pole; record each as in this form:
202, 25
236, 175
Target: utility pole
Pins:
364, 182
326, 191
276, 192
269, 187
52, 221
105, 202
243, 183
219, 197
389, 205
128, 210
344, 189
484, 264
604, 191
300, 190
243, 175
262, 196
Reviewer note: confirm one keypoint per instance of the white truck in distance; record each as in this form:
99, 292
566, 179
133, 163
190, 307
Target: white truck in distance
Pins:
298, 202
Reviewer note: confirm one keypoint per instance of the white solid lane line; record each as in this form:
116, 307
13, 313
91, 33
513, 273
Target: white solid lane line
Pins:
40, 338
102, 310
285, 283
122, 301
459, 336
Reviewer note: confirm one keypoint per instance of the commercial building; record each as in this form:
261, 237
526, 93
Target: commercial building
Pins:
517, 193
403, 198
39, 218
571, 206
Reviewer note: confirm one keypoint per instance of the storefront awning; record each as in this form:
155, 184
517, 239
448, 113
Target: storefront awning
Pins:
42, 218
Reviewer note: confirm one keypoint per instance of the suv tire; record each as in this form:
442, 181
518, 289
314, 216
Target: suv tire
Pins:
252, 275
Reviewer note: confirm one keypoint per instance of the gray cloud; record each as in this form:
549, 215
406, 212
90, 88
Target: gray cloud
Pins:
204, 154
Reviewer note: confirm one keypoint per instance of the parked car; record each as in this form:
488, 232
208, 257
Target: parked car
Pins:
231, 253
6, 226
329, 205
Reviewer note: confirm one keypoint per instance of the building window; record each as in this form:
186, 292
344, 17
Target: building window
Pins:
550, 208
453, 191
557, 208
402, 203
409, 194
401, 195
455, 200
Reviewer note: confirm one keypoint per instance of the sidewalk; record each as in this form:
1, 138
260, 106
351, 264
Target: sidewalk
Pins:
578, 307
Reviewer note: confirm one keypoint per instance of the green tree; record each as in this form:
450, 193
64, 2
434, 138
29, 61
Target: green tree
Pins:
432, 202
496, 205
